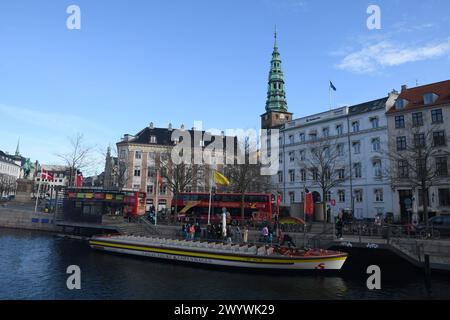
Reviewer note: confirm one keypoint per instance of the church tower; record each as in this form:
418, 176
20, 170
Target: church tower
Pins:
276, 106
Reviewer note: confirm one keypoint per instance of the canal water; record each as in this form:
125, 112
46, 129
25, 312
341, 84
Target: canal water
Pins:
33, 266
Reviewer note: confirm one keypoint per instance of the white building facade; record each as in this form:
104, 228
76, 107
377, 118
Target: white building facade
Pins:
359, 136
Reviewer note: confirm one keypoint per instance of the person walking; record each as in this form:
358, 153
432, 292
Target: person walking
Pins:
265, 233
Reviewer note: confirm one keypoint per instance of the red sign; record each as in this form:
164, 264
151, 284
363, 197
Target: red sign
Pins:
333, 202
309, 204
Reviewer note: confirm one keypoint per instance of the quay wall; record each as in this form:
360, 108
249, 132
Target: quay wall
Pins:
26, 219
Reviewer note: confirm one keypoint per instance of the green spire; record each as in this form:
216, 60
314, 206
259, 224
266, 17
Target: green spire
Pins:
276, 96
17, 148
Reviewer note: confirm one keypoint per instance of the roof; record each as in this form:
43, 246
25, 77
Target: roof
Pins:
368, 106
163, 137
414, 96
7, 158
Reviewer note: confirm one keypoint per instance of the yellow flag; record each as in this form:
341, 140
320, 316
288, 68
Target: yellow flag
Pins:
220, 179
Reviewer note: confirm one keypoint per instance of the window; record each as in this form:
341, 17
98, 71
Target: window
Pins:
358, 170
436, 116
302, 155
302, 174
163, 189
403, 169
376, 144
152, 139
419, 140
356, 147
355, 126
302, 137
340, 149
421, 167
439, 138
341, 195
401, 143
401, 103
377, 168
339, 129
137, 171
374, 122
150, 172
429, 98
399, 122
441, 166
291, 156
123, 154
138, 155
291, 139
280, 157
378, 193
136, 186
292, 197
341, 174
313, 136
328, 196
280, 177
444, 197
417, 119
325, 132
315, 174
358, 195
292, 175
150, 189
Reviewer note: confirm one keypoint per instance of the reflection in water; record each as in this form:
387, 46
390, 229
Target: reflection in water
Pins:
33, 266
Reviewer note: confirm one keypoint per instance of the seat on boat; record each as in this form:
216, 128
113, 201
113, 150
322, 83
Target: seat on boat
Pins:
252, 249
261, 251
270, 251
243, 248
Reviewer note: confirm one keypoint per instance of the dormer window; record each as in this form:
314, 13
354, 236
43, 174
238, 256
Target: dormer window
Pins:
401, 103
430, 98
152, 139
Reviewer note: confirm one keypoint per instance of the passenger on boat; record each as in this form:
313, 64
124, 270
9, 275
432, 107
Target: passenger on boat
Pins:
265, 233
286, 239
191, 232
229, 235
198, 231
245, 235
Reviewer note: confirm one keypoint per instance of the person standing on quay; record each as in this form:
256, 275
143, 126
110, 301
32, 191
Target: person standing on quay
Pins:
245, 235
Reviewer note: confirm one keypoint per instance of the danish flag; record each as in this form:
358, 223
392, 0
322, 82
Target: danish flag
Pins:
46, 175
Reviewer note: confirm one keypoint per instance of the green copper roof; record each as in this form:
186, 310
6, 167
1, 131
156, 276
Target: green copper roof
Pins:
276, 96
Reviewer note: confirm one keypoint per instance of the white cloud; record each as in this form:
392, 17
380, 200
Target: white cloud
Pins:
386, 53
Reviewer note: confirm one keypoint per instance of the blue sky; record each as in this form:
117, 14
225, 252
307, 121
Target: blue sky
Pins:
178, 61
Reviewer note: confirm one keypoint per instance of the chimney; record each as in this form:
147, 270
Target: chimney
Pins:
170, 126
151, 125
182, 126
404, 87
126, 137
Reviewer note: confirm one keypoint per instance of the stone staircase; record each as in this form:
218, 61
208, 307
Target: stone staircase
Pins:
140, 228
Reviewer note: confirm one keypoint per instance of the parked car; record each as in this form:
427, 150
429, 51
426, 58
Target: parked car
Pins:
439, 224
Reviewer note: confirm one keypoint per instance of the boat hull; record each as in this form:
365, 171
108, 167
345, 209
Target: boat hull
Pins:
332, 262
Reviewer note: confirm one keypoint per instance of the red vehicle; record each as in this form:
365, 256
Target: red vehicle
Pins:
258, 207
89, 205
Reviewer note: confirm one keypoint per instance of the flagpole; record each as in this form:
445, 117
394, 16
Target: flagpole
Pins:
329, 92
38, 191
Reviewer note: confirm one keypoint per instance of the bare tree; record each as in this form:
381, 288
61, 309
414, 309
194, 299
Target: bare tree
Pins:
78, 158
324, 168
413, 160
178, 177
246, 177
